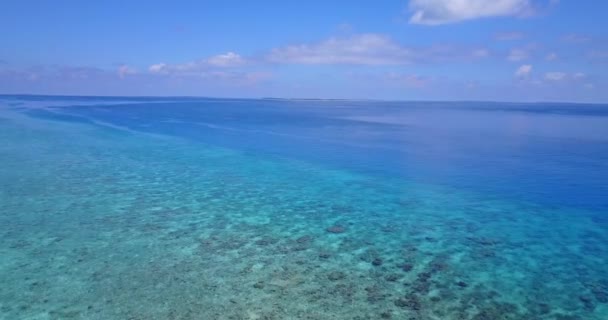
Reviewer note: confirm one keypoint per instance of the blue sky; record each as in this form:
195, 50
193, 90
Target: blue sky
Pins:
507, 50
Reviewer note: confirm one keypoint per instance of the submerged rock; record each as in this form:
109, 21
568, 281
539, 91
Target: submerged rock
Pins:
410, 248
324, 255
437, 267
544, 308
336, 229
498, 311
344, 290
369, 255
421, 287
265, 241
407, 267
484, 241
410, 301
302, 243
304, 239
601, 296
424, 276
587, 302
392, 277
561, 316
336, 275
389, 228
599, 291
401, 303
485, 253
377, 262
374, 294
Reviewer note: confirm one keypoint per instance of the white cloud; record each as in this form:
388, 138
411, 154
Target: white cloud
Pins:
157, 68
229, 59
436, 12
366, 49
551, 56
517, 55
579, 76
555, 76
125, 70
226, 60
369, 49
523, 71
357, 49
222, 69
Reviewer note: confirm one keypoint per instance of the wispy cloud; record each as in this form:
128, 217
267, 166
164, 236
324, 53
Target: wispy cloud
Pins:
369, 49
437, 12
56, 73
75, 73
157, 68
408, 80
227, 68
391, 79
509, 36
363, 49
562, 76
523, 71
229, 59
237, 77
517, 54
575, 79
575, 38
551, 56
579, 76
598, 55
125, 70
199, 67
555, 76
29, 74
480, 53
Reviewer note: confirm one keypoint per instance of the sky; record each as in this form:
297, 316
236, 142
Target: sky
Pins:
499, 50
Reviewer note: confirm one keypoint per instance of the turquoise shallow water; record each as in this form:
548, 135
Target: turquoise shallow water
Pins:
251, 209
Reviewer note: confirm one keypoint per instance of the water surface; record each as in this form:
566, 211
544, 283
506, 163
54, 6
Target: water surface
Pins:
183, 208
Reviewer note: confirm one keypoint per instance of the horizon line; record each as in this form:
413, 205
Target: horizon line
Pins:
295, 98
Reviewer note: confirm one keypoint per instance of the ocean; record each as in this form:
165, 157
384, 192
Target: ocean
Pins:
203, 208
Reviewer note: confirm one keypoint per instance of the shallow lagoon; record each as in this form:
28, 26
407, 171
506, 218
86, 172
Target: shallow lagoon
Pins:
115, 208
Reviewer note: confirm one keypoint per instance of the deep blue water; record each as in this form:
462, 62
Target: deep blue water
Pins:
497, 209
552, 153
